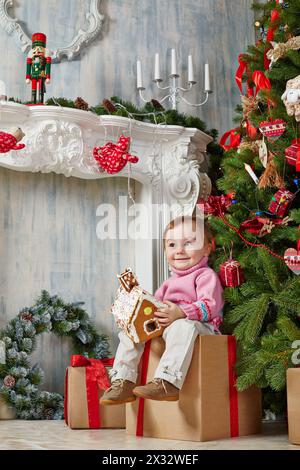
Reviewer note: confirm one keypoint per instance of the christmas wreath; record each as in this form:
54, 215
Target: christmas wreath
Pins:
19, 381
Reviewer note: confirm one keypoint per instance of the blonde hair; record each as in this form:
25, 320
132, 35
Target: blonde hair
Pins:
196, 221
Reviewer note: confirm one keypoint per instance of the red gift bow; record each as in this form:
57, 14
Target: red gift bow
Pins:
233, 394
234, 141
261, 81
274, 17
113, 157
96, 379
258, 77
270, 35
239, 76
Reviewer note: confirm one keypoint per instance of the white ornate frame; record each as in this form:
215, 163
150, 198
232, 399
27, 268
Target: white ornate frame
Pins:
172, 173
72, 50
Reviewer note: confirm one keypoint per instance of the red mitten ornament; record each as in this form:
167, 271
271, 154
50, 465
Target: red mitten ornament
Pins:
231, 274
281, 202
292, 154
113, 157
9, 142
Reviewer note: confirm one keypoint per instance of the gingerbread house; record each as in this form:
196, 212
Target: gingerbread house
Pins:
134, 309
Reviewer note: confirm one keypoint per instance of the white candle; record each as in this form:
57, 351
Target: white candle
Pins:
157, 68
190, 70
251, 173
139, 81
207, 78
173, 63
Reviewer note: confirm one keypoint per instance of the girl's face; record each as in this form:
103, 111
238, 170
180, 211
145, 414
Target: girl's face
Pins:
186, 245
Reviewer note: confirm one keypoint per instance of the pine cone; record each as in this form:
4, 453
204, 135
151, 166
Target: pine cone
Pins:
109, 106
26, 316
49, 413
9, 381
156, 104
81, 104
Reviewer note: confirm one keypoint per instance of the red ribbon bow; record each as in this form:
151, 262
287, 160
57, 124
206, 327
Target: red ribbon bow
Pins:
272, 28
96, 379
239, 76
261, 81
234, 139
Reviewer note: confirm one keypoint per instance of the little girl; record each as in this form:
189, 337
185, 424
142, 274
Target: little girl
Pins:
193, 306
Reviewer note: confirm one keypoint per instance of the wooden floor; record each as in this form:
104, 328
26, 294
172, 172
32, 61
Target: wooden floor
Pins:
56, 435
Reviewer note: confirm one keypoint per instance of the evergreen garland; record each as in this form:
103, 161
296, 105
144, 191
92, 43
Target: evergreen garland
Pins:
18, 380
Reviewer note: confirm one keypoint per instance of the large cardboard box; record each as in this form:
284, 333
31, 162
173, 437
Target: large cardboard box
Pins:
209, 407
76, 404
293, 403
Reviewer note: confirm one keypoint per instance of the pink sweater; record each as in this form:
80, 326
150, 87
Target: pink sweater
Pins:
197, 291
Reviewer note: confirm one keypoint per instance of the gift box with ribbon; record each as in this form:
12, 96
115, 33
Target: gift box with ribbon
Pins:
209, 406
281, 202
292, 154
293, 403
85, 383
231, 274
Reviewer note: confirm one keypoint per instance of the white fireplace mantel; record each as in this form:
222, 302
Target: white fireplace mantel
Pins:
172, 162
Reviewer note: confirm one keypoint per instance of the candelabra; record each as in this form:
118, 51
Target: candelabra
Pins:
175, 92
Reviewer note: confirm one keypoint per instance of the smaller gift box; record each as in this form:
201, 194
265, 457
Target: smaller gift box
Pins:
292, 154
293, 403
281, 202
85, 383
231, 274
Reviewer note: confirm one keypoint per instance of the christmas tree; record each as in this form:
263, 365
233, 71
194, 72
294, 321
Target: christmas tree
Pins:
255, 213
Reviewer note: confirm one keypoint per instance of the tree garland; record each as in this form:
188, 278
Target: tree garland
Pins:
152, 112
18, 380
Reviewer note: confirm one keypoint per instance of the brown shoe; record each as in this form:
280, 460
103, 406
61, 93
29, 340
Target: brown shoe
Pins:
157, 389
119, 392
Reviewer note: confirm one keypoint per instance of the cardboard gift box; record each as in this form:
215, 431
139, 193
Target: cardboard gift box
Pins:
85, 382
6, 411
209, 406
293, 404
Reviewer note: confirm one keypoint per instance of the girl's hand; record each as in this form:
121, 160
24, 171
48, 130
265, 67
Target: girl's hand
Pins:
171, 312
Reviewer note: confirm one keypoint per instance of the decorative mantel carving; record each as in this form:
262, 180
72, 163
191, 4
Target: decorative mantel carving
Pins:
172, 160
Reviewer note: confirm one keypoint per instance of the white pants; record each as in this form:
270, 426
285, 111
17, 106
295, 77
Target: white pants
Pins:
180, 337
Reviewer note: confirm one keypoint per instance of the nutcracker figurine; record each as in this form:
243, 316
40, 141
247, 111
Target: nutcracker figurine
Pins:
38, 67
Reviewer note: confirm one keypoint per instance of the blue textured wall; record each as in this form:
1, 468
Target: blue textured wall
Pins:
212, 30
